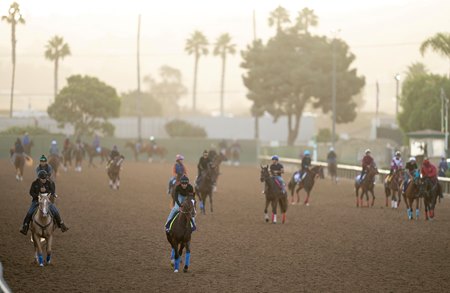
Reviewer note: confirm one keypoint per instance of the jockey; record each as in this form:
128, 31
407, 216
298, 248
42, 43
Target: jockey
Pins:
43, 165
396, 163
54, 151
276, 169
429, 171
443, 167
18, 147
153, 142
411, 172
223, 147
366, 162
96, 144
182, 191
306, 163
177, 172
112, 155
26, 139
138, 144
331, 157
42, 185
203, 164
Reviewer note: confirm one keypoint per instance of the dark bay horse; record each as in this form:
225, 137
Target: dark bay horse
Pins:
332, 171
205, 189
306, 183
179, 235
366, 186
18, 161
78, 153
114, 172
55, 162
429, 191
274, 196
67, 154
392, 187
92, 153
410, 195
42, 226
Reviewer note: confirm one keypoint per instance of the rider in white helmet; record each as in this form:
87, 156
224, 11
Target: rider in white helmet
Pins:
396, 164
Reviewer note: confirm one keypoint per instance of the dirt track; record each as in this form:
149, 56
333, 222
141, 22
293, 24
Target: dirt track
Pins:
117, 243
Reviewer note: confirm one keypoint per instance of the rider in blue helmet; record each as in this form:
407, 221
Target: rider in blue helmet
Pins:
276, 169
306, 163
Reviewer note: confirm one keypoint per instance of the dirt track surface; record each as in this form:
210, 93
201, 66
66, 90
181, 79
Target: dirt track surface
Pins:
117, 243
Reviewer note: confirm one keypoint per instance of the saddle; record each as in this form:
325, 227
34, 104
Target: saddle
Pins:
169, 224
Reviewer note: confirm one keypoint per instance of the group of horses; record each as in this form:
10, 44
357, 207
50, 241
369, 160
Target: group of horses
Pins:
418, 188
275, 194
152, 151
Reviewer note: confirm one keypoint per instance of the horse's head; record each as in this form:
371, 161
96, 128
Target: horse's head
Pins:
188, 208
318, 171
265, 173
44, 203
372, 170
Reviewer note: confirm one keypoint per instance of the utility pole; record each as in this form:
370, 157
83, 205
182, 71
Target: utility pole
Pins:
256, 115
444, 110
139, 98
333, 93
397, 89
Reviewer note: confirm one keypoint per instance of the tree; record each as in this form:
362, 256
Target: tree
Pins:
56, 49
440, 43
181, 128
198, 46
86, 103
293, 70
415, 70
14, 18
306, 19
150, 107
221, 49
278, 17
421, 103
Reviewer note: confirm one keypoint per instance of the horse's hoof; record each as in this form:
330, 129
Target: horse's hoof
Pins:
185, 269
307, 204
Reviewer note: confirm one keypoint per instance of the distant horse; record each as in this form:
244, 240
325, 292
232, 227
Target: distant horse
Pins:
332, 170
410, 195
18, 160
42, 226
216, 161
27, 147
306, 183
429, 191
366, 186
179, 236
114, 172
234, 154
274, 196
157, 151
205, 189
55, 162
392, 186
92, 153
67, 156
78, 153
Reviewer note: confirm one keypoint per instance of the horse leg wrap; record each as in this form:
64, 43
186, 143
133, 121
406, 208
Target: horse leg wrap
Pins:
172, 254
187, 259
49, 257
274, 218
177, 263
40, 259
283, 219
409, 212
417, 213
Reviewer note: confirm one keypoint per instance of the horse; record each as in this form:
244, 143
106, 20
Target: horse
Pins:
205, 189
42, 226
234, 153
306, 183
274, 195
156, 151
67, 156
393, 186
27, 147
410, 195
92, 153
113, 171
332, 170
366, 185
78, 153
179, 235
18, 161
54, 161
429, 191
216, 160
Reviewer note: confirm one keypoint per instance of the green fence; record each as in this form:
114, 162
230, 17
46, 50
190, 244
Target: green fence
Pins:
191, 148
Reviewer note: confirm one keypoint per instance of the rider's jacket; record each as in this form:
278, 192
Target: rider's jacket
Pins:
179, 170
54, 150
331, 157
47, 169
188, 191
203, 164
306, 162
36, 186
275, 169
18, 148
429, 170
396, 164
113, 154
367, 161
411, 166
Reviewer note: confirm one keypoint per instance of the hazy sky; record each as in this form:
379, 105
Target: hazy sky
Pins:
384, 35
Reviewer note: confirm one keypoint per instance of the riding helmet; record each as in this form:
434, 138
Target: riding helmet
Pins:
367, 151
179, 157
43, 159
276, 158
412, 159
306, 153
184, 179
53, 141
42, 174
397, 153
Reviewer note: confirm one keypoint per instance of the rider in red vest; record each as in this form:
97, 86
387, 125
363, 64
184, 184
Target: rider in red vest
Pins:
429, 171
366, 162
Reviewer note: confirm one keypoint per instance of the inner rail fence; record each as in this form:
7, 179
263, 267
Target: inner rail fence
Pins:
344, 171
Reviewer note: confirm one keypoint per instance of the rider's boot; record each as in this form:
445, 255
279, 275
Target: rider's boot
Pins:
24, 229
60, 222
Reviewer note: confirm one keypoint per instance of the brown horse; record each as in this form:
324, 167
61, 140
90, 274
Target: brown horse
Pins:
306, 183
113, 172
429, 191
43, 226
55, 162
392, 186
147, 148
92, 153
410, 195
78, 153
332, 171
205, 189
67, 154
179, 235
274, 195
366, 186
18, 161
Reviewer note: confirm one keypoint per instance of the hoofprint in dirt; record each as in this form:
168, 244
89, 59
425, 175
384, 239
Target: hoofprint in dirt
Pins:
117, 241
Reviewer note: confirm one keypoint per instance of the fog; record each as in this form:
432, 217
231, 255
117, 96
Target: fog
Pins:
384, 35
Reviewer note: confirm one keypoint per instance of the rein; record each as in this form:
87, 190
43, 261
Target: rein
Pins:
43, 227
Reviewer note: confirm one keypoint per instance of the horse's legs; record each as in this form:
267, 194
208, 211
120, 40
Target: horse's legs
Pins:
38, 246
266, 216
274, 204
357, 195
417, 208
187, 257
373, 197
49, 249
307, 199
176, 257
210, 201
297, 192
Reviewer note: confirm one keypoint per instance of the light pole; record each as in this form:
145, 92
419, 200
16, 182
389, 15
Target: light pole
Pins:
397, 85
333, 87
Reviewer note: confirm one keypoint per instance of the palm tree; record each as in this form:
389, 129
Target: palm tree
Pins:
222, 48
279, 16
440, 43
196, 45
305, 19
14, 18
56, 49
